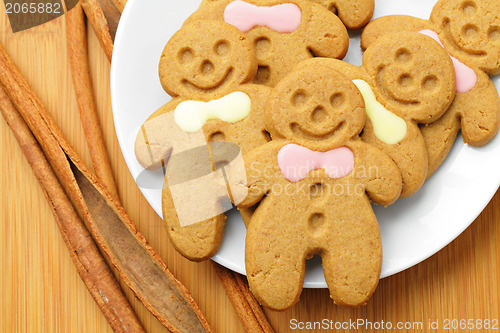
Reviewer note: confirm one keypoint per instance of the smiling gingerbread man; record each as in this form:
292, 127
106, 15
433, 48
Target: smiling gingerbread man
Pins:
314, 183
469, 30
206, 67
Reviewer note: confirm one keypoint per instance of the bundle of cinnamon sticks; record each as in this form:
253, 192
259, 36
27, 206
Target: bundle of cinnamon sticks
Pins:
82, 205
87, 207
104, 18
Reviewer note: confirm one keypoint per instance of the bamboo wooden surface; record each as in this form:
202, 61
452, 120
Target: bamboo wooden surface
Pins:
40, 290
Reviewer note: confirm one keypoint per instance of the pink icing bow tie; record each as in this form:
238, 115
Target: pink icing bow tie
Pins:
466, 77
282, 18
296, 162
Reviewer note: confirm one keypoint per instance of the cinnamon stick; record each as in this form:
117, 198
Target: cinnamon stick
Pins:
119, 5
88, 261
138, 264
252, 302
76, 34
245, 305
103, 15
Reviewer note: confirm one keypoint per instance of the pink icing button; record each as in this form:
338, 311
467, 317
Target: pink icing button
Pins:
466, 77
284, 18
296, 162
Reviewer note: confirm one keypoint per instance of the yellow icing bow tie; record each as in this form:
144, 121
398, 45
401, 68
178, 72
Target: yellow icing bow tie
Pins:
190, 116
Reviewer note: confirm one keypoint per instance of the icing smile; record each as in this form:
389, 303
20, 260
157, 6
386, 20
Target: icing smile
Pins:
223, 80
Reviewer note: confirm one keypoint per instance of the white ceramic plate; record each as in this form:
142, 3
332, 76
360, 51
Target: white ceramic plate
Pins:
412, 229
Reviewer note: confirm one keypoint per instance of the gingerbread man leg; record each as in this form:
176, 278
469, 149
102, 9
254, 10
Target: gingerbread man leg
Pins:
275, 255
480, 110
194, 200
352, 255
197, 242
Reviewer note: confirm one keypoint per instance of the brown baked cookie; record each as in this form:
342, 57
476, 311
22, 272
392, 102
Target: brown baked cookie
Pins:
406, 79
470, 32
206, 66
283, 32
355, 14
314, 183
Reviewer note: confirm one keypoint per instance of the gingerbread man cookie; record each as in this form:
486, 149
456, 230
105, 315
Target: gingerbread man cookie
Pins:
469, 30
282, 32
406, 79
314, 182
206, 67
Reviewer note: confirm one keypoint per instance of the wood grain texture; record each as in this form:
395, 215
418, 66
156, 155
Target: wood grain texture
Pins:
40, 290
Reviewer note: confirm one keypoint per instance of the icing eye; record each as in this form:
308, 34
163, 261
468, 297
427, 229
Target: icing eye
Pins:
403, 56
470, 31
185, 56
222, 48
469, 8
337, 100
299, 97
494, 34
319, 114
405, 80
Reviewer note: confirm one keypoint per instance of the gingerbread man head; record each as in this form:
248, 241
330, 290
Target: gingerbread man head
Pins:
316, 112
411, 75
470, 31
204, 58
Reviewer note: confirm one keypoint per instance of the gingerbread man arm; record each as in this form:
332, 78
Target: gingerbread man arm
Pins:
262, 170
391, 24
355, 14
380, 174
480, 110
152, 147
160, 136
476, 112
332, 39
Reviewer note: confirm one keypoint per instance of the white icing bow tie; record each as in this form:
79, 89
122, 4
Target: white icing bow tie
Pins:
190, 116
